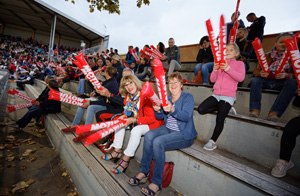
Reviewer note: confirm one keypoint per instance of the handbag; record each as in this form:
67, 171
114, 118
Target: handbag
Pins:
167, 175
198, 78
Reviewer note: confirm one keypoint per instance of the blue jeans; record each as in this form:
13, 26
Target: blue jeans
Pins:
156, 142
205, 70
286, 87
81, 86
34, 112
91, 110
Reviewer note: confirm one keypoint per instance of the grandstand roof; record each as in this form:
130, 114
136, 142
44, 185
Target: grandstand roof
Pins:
38, 15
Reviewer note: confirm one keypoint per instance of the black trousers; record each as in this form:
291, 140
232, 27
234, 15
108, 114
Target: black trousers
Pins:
288, 139
211, 105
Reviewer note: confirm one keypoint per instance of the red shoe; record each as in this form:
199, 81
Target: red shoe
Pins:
68, 129
79, 138
107, 149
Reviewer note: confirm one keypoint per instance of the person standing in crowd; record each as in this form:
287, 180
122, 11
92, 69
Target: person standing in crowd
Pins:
226, 77
230, 24
136, 111
256, 29
129, 58
178, 132
245, 46
284, 82
206, 59
172, 56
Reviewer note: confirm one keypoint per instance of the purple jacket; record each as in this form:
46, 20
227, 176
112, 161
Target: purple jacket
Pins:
226, 81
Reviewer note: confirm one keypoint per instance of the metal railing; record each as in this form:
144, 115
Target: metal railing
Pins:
4, 75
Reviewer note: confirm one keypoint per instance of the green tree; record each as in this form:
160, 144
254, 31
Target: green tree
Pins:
112, 6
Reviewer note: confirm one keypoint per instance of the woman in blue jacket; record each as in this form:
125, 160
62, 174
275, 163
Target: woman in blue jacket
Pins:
177, 132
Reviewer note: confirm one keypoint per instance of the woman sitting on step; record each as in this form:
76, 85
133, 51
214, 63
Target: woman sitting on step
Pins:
178, 132
137, 112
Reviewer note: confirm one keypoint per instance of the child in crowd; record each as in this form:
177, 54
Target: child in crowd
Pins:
226, 77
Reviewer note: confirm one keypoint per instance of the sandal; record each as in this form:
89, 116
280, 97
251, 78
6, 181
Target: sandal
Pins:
151, 192
114, 159
120, 165
137, 181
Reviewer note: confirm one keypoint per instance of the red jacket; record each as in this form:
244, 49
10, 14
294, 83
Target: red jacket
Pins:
146, 114
12, 67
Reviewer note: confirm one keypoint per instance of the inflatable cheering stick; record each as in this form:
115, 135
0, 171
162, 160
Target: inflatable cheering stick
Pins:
213, 42
260, 55
222, 46
283, 62
21, 95
236, 10
58, 96
87, 71
103, 133
160, 81
148, 93
293, 51
153, 54
133, 53
233, 31
160, 55
18, 107
94, 127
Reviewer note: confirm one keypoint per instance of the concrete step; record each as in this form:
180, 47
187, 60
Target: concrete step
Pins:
228, 176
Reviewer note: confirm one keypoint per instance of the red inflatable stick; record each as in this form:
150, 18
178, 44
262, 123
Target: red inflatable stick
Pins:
154, 55
94, 127
21, 95
55, 95
213, 42
222, 46
18, 107
148, 54
160, 55
59, 78
260, 55
160, 81
236, 10
233, 31
87, 71
148, 93
293, 51
135, 56
283, 62
103, 133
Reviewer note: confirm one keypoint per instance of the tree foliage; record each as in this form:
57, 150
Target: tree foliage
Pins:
112, 6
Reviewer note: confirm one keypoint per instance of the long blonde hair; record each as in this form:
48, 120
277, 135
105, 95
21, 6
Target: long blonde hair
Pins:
129, 78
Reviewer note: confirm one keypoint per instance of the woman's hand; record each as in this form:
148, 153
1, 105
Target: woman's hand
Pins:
156, 108
130, 121
216, 66
280, 76
37, 103
86, 104
224, 66
93, 94
169, 107
263, 74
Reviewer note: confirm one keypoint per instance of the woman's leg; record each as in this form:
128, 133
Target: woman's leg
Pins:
209, 105
81, 85
206, 69
78, 116
91, 111
197, 68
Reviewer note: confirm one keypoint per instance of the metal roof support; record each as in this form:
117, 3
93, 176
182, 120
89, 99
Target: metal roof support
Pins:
52, 36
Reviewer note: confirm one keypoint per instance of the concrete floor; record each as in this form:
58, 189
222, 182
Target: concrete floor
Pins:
47, 170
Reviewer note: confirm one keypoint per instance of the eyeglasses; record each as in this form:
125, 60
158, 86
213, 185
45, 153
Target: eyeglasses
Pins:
128, 84
170, 83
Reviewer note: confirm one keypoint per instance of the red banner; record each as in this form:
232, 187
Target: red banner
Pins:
18, 107
103, 133
148, 92
260, 55
87, 71
94, 127
21, 95
213, 42
160, 81
222, 45
293, 51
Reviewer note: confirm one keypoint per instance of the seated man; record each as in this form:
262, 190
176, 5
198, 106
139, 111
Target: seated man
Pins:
115, 60
27, 80
206, 59
245, 46
285, 82
97, 105
287, 144
172, 56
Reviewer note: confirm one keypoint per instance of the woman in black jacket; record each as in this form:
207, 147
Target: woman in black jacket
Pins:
42, 106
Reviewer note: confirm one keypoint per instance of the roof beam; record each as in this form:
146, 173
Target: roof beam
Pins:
37, 13
20, 18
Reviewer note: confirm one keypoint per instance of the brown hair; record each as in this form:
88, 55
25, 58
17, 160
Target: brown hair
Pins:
176, 75
112, 71
129, 78
237, 49
53, 84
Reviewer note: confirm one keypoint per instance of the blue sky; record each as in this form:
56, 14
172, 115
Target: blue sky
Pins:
181, 19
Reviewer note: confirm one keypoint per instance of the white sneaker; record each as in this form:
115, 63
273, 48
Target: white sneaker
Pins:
232, 111
211, 145
281, 168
